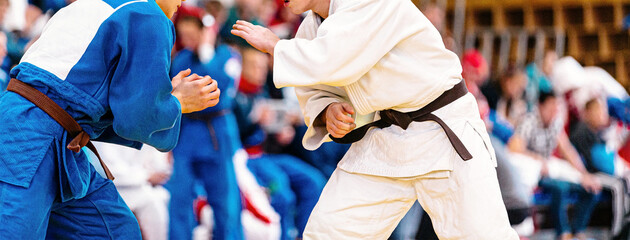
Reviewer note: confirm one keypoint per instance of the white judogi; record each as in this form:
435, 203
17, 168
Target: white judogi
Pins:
384, 54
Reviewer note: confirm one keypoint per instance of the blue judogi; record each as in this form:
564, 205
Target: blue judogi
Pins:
106, 63
209, 139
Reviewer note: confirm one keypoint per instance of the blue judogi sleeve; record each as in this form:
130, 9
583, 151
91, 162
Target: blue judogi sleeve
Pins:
140, 92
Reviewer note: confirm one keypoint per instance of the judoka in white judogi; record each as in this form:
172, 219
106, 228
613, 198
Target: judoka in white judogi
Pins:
377, 55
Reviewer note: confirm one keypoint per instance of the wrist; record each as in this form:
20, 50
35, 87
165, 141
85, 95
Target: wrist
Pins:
273, 44
179, 99
320, 120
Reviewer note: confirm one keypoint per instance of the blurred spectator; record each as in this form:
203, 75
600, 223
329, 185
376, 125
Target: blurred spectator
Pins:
586, 137
567, 74
4, 8
248, 10
22, 22
293, 185
437, 17
4, 63
139, 179
218, 12
509, 91
601, 83
580, 84
511, 106
16, 46
538, 78
208, 139
14, 19
195, 37
536, 136
508, 110
5, 60
284, 23
267, 10
475, 71
258, 219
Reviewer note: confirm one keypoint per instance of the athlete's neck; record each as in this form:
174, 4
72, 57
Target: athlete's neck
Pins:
322, 8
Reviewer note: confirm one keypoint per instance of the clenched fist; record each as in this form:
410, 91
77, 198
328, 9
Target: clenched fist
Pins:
337, 119
195, 93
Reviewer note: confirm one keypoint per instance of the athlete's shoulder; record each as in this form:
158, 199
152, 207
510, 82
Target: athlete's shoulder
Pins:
137, 10
140, 16
145, 6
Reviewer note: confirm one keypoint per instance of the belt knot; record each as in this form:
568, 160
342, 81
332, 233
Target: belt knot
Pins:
79, 141
397, 118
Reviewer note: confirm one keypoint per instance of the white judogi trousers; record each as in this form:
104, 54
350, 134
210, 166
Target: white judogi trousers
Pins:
463, 204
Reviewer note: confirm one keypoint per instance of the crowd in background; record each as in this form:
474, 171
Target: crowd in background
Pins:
240, 172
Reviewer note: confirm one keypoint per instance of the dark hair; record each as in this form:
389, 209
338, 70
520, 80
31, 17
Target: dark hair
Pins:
511, 71
544, 96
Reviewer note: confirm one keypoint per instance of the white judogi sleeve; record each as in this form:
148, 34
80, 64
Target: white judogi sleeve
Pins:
313, 100
346, 46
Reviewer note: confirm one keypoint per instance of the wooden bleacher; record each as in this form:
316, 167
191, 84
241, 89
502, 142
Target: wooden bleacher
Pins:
519, 31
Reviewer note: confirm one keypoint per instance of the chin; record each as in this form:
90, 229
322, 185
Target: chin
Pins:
296, 11
171, 14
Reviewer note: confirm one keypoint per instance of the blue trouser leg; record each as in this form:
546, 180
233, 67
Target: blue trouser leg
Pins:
583, 208
25, 212
36, 212
180, 185
269, 175
198, 159
306, 182
101, 214
559, 191
224, 196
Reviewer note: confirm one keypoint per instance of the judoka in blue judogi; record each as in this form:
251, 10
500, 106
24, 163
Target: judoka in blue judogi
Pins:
106, 63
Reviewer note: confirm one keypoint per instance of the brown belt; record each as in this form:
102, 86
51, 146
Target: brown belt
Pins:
389, 117
79, 137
